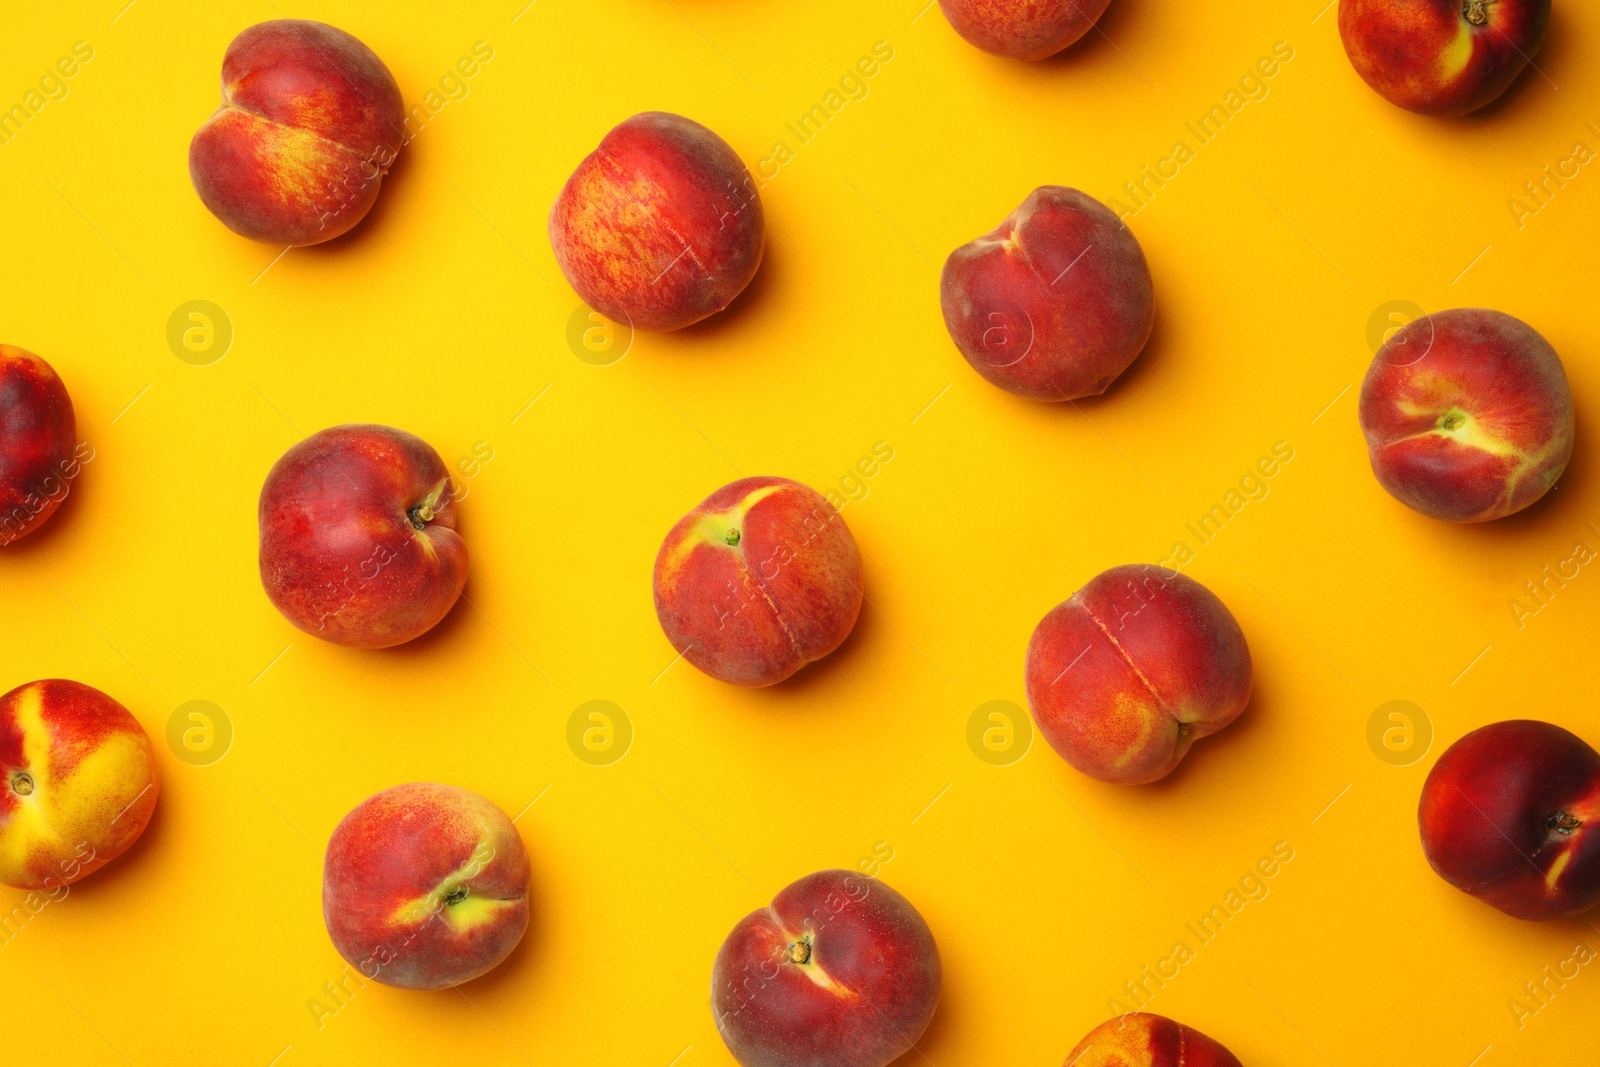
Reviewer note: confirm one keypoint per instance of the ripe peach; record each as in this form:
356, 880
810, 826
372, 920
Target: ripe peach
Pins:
840, 971
1441, 57
660, 226
1467, 415
1125, 675
1055, 303
1023, 29
760, 579
78, 783
1509, 814
1143, 1040
358, 537
310, 122
425, 886
37, 438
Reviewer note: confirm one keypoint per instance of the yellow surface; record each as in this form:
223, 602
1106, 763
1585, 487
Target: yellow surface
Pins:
445, 314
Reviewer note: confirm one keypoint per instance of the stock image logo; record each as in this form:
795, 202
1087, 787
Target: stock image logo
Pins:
595, 339
999, 732
599, 732
1399, 733
199, 733
1386, 324
199, 333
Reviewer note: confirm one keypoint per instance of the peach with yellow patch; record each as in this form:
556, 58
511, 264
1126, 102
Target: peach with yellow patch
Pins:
1441, 57
1023, 29
760, 579
311, 121
1140, 1039
1511, 815
425, 886
1468, 415
839, 971
1128, 673
660, 226
1055, 302
78, 783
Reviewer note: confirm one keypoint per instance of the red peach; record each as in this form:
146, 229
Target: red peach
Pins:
1023, 29
760, 579
1055, 303
1467, 415
1441, 57
840, 971
1509, 814
78, 783
425, 886
1124, 676
1143, 1040
660, 226
358, 538
310, 122
37, 438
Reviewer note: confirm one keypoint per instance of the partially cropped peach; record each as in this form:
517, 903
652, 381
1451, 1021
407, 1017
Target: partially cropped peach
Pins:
1511, 815
839, 971
37, 443
1467, 415
1441, 57
1055, 303
1125, 675
1023, 29
425, 886
78, 783
1143, 1040
760, 579
660, 226
310, 122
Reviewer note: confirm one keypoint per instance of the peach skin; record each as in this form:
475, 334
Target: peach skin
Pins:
660, 226
1023, 29
1143, 1040
1055, 303
37, 443
840, 971
1467, 415
1124, 676
760, 579
1509, 814
425, 886
358, 537
78, 783
310, 122
1441, 57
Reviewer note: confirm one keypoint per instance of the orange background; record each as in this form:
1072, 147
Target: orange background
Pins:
444, 314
